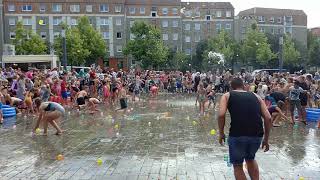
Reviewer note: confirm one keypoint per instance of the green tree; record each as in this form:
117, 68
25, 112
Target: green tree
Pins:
92, 40
198, 61
147, 46
27, 42
314, 54
177, 60
290, 54
76, 52
256, 49
223, 44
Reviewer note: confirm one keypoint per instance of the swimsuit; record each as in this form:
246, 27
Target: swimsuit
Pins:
81, 101
52, 106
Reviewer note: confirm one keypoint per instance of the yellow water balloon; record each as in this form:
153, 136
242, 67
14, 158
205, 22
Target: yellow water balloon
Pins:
60, 157
301, 178
41, 22
116, 126
213, 132
38, 131
194, 123
99, 162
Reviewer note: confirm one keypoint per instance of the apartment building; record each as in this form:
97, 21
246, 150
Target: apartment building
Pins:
274, 21
203, 19
182, 24
316, 32
1, 30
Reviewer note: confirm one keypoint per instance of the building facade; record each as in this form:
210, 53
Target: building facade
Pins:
182, 25
316, 32
273, 21
1, 30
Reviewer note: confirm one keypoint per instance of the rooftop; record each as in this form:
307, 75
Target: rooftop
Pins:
259, 10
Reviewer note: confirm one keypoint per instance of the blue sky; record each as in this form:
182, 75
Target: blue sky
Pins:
310, 7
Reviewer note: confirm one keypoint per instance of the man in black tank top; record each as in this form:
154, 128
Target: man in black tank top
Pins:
246, 128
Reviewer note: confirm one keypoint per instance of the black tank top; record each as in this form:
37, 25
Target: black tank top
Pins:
245, 112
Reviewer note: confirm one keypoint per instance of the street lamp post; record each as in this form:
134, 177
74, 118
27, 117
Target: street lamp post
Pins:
64, 47
280, 54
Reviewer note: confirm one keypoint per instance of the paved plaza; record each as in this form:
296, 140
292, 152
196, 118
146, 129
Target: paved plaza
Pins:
158, 139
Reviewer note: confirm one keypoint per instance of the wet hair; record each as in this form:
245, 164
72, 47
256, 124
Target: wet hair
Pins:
280, 104
37, 102
237, 83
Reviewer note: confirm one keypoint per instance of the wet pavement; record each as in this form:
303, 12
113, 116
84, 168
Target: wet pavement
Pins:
158, 139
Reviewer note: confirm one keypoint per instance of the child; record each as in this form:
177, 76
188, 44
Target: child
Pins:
211, 96
277, 114
295, 102
92, 102
123, 97
106, 91
201, 98
28, 102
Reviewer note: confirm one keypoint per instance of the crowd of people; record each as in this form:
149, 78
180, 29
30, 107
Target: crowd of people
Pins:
286, 95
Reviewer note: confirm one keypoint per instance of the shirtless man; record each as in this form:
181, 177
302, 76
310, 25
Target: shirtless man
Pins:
123, 97
81, 97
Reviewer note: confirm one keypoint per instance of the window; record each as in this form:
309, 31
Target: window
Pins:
26, 7
187, 39
89, 8
132, 10
104, 21
175, 11
165, 37
272, 31
272, 20
12, 35
119, 35
43, 8
188, 51
261, 19
142, 10
132, 36
11, 8
131, 23
175, 36
154, 14
12, 21
106, 35
74, 22
165, 23
164, 11
197, 26
197, 38
175, 23
218, 14
104, 8
187, 27
119, 48
56, 34
208, 17
56, 7
289, 30
43, 35
118, 8
243, 30
187, 13
218, 26
228, 14
288, 18
75, 8
280, 31
279, 20
57, 21
154, 8
261, 29
198, 14
42, 21
228, 26
27, 21
118, 21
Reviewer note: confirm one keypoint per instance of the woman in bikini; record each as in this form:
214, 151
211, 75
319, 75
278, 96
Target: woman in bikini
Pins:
50, 112
201, 97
